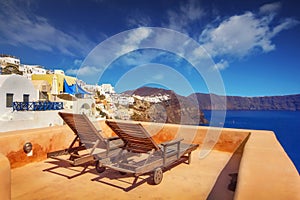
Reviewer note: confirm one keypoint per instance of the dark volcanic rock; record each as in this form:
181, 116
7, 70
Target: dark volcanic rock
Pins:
178, 109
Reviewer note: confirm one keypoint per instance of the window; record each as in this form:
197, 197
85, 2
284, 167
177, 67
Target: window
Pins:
9, 100
25, 97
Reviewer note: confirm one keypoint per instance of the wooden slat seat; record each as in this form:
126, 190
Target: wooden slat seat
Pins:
135, 137
137, 140
89, 137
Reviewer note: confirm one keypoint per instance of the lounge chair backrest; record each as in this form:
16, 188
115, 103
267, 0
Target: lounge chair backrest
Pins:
81, 126
135, 137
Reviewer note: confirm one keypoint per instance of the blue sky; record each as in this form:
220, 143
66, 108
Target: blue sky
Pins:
254, 45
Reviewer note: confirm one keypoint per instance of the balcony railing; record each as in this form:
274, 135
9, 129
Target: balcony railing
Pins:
37, 106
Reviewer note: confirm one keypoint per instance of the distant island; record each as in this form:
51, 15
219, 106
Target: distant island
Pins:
188, 110
286, 102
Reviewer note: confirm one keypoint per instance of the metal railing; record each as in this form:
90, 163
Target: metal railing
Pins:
37, 106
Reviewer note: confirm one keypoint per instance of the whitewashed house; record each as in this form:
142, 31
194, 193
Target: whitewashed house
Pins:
28, 70
15, 88
125, 100
6, 60
106, 89
9, 64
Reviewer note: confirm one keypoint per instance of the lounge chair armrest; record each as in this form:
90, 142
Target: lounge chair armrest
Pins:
165, 147
113, 138
172, 142
110, 144
89, 142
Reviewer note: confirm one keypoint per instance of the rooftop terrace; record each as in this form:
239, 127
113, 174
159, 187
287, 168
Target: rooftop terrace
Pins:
243, 164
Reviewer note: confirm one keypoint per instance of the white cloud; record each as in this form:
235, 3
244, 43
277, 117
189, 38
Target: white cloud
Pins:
270, 8
138, 58
133, 40
85, 71
138, 20
223, 64
72, 72
187, 14
234, 37
284, 25
240, 35
199, 53
77, 62
19, 26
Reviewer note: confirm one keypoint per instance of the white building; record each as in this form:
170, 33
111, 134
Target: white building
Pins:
15, 88
91, 88
125, 100
28, 70
6, 60
106, 89
59, 71
9, 64
153, 99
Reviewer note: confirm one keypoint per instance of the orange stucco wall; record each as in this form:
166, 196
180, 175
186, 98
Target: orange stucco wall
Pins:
5, 189
45, 140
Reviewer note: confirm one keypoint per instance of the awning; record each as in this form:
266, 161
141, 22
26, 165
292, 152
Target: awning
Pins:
73, 89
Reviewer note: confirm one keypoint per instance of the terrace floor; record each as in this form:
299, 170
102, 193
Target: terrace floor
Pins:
53, 179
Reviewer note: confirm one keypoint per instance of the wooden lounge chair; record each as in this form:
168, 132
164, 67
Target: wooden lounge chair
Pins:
87, 138
141, 154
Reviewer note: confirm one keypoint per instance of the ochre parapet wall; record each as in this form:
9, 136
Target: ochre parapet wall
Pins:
266, 171
45, 140
5, 189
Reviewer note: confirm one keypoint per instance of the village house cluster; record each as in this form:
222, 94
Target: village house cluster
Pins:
26, 89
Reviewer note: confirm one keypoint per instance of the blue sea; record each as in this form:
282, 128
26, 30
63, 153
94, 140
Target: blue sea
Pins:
285, 124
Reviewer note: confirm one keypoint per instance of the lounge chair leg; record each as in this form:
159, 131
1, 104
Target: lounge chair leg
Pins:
190, 158
99, 167
135, 180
